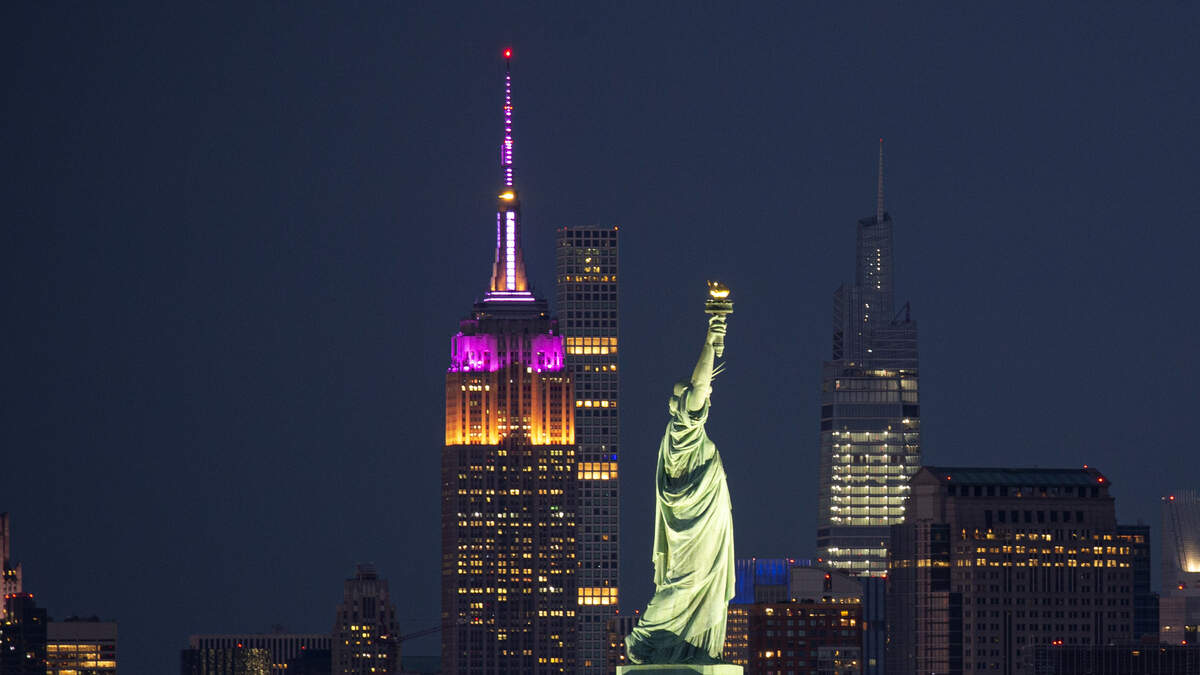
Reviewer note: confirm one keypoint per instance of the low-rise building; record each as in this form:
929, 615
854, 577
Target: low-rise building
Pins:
282, 647
81, 647
225, 661
781, 637
616, 629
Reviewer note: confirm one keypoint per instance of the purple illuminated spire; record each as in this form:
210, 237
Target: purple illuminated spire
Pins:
506, 150
508, 271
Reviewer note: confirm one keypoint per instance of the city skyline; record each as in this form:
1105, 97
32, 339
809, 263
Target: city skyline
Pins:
230, 234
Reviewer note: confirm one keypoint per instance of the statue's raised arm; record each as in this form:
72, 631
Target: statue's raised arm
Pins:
702, 374
684, 623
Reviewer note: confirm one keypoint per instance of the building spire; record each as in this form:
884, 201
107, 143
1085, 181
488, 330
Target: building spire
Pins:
507, 149
879, 193
509, 282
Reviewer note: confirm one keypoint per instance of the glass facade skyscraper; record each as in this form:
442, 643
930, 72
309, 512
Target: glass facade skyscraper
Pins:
586, 273
508, 472
870, 425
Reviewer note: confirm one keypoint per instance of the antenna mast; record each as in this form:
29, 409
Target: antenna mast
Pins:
879, 194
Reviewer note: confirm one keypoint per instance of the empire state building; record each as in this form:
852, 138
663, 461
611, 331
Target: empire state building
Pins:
508, 470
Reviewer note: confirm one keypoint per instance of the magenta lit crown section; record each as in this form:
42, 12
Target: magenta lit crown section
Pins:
482, 354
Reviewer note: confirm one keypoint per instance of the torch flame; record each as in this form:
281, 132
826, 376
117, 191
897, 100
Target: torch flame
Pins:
718, 290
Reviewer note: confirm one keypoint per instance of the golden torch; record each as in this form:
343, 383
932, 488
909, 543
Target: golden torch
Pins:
719, 304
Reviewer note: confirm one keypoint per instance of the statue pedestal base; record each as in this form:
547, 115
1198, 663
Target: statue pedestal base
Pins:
669, 669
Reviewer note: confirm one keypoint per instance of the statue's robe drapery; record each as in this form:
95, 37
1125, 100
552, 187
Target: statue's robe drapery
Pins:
693, 548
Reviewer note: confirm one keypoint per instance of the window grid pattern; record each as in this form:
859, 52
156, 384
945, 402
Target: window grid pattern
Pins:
587, 276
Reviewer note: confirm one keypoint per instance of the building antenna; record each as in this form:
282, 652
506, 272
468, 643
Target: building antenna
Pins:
507, 149
879, 194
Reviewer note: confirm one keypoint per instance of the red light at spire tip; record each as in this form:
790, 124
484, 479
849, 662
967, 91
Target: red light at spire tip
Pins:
508, 53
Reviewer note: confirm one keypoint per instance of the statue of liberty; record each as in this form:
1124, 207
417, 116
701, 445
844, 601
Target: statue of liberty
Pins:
684, 624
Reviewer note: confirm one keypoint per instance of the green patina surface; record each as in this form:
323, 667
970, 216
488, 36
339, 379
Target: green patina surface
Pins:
693, 556
668, 669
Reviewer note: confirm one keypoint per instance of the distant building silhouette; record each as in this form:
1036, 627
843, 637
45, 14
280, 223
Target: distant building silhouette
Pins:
282, 646
1145, 601
225, 661
365, 635
796, 584
81, 647
311, 662
617, 628
763, 579
22, 636
586, 284
509, 597
1127, 659
874, 618
781, 637
755, 580
10, 571
1179, 605
991, 562
870, 428
788, 616
820, 584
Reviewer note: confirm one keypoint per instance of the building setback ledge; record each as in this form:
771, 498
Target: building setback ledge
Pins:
669, 669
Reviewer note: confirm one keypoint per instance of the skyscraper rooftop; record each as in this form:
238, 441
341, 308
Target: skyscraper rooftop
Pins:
870, 428
977, 475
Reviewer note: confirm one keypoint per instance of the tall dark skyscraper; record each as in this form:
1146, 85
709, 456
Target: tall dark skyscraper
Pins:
586, 280
365, 635
870, 413
509, 598
10, 571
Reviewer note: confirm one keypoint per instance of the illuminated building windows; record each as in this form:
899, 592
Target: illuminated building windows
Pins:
598, 596
597, 471
592, 346
285, 650
81, 648
594, 404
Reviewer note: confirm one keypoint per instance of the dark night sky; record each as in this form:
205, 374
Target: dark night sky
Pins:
237, 241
